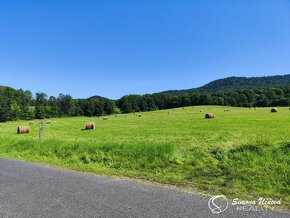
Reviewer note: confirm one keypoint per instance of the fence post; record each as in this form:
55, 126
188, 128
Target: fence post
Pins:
41, 132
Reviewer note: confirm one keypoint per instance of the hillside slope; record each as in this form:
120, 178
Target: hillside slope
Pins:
237, 83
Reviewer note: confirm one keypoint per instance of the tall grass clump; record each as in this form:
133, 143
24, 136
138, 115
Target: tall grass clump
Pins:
119, 156
256, 170
260, 169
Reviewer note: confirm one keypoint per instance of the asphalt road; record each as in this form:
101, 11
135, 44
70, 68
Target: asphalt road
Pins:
31, 190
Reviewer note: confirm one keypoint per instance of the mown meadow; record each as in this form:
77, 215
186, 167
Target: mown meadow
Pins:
241, 153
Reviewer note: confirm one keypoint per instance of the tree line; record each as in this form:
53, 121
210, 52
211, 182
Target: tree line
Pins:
20, 104
257, 97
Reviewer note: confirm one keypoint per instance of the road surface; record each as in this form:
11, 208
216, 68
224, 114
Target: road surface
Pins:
32, 190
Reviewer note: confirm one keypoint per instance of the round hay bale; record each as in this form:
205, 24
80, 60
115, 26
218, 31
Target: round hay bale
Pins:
90, 125
274, 110
209, 116
23, 129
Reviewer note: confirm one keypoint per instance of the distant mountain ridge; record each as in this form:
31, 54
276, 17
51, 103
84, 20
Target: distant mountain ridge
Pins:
237, 83
100, 97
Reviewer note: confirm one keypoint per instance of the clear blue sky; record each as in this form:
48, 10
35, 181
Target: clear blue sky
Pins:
112, 47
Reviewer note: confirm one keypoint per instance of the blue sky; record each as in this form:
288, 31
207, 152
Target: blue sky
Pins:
113, 48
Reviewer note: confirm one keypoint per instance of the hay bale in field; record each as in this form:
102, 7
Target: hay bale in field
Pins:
105, 118
90, 125
30, 122
274, 110
23, 129
209, 116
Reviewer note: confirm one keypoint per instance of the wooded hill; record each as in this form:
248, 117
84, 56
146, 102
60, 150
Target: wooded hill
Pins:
233, 91
237, 83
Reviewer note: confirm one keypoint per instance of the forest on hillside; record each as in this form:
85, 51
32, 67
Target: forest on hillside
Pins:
257, 97
20, 104
231, 83
245, 83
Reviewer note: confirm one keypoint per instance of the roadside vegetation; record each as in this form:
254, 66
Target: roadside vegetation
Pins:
242, 152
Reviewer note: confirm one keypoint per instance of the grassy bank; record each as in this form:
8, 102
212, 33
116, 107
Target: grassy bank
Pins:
241, 153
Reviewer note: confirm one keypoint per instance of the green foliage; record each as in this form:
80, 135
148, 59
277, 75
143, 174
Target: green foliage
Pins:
40, 106
19, 104
245, 83
258, 97
232, 83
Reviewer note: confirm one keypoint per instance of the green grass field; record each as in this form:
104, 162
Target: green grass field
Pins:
241, 153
